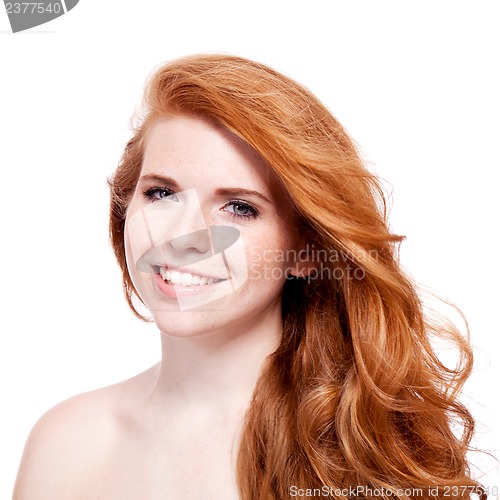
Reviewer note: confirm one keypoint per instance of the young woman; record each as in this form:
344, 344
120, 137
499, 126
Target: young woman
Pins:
296, 358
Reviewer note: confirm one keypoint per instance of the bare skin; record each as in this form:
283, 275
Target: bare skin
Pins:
116, 443
172, 432
139, 440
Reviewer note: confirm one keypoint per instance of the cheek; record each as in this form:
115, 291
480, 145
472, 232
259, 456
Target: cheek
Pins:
137, 242
140, 233
269, 260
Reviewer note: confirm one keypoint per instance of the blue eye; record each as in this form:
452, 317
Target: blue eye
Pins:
241, 209
157, 193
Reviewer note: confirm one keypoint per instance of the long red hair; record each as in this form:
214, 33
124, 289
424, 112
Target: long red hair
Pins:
355, 396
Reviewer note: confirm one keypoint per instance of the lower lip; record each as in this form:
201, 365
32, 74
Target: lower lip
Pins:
175, 291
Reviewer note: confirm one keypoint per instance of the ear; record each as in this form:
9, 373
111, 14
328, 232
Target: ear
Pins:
303, 263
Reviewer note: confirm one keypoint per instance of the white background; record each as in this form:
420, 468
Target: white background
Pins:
415, 83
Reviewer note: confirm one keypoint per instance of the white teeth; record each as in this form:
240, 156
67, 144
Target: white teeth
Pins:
176, 277
185, 279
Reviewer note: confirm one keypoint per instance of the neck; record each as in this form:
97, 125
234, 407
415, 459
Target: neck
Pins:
217, 371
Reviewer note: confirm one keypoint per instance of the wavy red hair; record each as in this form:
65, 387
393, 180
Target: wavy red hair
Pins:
355, 394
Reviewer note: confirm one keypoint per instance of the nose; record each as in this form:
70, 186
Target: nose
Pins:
189, 231
195, 241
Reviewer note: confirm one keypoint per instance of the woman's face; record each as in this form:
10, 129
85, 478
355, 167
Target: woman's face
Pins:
209, 233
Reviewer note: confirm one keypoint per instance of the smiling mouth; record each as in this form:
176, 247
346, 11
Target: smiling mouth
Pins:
178, 278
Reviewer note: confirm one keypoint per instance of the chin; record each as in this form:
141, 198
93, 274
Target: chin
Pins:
192, 324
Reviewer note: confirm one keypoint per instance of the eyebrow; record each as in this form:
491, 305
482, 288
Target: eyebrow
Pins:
160, 179
236, 192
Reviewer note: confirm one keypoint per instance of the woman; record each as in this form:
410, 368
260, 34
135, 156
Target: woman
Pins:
296, 358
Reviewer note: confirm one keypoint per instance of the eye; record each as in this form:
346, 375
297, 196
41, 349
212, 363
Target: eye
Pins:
157, 193
241, 209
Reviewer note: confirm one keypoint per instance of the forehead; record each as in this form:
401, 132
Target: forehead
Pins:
198, 153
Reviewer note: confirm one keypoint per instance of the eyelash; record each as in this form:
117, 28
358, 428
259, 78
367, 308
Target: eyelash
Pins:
151, 193
254, 213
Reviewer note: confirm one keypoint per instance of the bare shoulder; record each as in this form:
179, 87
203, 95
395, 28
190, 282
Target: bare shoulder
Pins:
69, 446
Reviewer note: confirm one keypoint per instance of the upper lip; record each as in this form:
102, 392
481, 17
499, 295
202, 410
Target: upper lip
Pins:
190, 271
